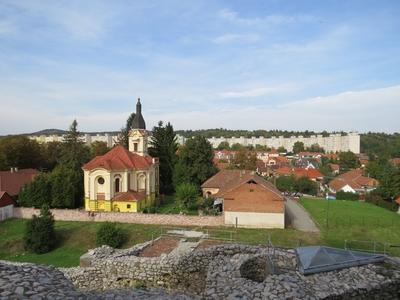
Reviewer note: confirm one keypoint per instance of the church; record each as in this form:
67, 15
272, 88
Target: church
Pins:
123, 180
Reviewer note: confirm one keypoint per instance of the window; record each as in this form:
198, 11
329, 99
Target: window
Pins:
117, 185
135, 147
100, 180
128, 206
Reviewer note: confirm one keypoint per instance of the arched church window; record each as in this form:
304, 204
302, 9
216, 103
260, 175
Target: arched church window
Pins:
117, 182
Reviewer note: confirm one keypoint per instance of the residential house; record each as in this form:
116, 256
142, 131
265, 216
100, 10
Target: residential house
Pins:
395, 162
313, 174
353, 181
248, 200
6, 206
123, 180
12, 181
335, 168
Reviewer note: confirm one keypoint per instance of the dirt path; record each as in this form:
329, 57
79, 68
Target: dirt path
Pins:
298, 217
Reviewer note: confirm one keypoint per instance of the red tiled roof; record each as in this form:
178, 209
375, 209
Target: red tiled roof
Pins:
300, 172
226, 180
5, 199
119, 158
12, 182
354, 179
130, 196
334, 167
395, 162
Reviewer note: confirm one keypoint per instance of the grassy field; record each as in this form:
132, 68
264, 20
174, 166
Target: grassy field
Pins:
352, 220
75, 238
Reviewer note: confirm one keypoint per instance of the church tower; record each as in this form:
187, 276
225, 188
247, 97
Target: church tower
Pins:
138, 136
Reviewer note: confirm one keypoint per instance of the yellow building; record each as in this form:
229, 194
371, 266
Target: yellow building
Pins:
123, 180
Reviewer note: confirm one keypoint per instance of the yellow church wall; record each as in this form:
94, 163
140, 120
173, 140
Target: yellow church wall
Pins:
125, 206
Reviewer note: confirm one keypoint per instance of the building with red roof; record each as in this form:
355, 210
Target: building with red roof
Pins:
6, 206
124, 180
313, 174
353, 181
12, 181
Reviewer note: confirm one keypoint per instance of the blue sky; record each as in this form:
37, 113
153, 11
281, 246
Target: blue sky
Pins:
316, 65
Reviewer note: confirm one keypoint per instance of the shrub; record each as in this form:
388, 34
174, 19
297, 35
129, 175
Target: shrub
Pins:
109, 234
341, 195
379, 201
39, 233
186, 195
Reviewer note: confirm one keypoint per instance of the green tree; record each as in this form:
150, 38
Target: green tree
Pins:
123, 138
281, 149
51, 154
223, 146
98, 148
348, 160
64, 192
21, 152
36, 193
298, 147
244, 160
186, 195
40, 235
306, 185
164, 146
285, 183
195, 162
315, 148
110, 234
236, 147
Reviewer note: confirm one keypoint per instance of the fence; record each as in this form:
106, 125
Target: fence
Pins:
367, 222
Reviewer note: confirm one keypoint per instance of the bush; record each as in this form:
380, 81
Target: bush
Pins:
341, 195
109, 234
39, 233
379, 201
186, 195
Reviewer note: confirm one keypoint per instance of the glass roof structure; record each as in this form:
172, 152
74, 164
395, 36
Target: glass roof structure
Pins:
315, 259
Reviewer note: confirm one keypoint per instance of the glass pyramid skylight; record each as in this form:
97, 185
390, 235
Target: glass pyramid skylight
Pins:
315, 259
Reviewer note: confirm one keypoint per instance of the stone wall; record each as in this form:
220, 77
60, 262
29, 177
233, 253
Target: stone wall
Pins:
224, 270
136, 218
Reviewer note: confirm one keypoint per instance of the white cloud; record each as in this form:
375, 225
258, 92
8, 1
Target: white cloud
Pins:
275, 19
233, 38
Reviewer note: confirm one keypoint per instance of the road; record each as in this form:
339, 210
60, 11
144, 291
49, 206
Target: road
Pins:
298, 217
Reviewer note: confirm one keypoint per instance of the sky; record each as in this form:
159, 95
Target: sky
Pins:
267, 64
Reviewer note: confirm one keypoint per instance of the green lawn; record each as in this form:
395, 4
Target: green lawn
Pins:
75, 238
341, 220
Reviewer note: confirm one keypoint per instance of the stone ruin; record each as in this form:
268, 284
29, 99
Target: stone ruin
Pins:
204, 269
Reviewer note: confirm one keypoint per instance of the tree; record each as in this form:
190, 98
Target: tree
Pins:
40, 235
51, 154
123, 138
244, 160
306, 185
236, 147
285, 183
298, 147
282, 149
164, 146
195, 162
98, 148
36, 193
186, 195
20, 152
223, 146
109, 234
65, 192
316, 148
348, 160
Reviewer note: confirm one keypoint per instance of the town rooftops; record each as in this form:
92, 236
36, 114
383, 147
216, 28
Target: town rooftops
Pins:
12, 181
300, 172
119, 158
130, 196
227, 180
354, 179
5, 199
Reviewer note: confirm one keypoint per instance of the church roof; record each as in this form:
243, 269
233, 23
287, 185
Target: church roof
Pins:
119, 158
138, 121
130, 196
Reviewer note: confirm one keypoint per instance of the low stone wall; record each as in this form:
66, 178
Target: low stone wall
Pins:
226, 270
137, 218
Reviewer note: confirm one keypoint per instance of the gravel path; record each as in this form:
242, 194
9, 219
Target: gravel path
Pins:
298, 217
